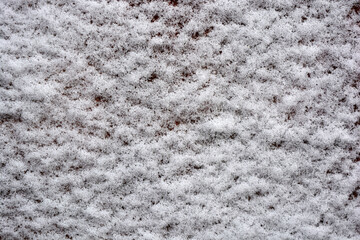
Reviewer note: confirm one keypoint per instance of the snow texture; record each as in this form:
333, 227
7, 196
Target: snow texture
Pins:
180, 119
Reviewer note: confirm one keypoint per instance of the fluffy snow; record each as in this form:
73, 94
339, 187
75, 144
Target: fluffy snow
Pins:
178, 119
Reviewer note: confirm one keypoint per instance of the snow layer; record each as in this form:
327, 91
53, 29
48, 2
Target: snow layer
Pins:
206, 119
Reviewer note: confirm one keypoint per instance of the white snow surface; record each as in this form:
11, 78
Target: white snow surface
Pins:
179, 119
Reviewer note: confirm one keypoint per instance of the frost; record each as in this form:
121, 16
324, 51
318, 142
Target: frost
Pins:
179, 119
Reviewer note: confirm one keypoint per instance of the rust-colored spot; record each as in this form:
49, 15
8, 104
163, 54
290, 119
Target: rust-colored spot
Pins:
177, 123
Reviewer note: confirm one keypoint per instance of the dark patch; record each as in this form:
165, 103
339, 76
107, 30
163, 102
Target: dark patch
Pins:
155, 18
195, 35
291, 114
233, 136
277, 144
357, 123
303, 19
75, 168
321, 221
18, 176
307, 108
67, 187
355, 9
236, 178
152, 77
186, 74
208, 30
5, 117
275, 99
107, 135
354, 194
99, 98
173, 3
198, 167
168, 227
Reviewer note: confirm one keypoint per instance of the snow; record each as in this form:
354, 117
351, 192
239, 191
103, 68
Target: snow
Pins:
154, 119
